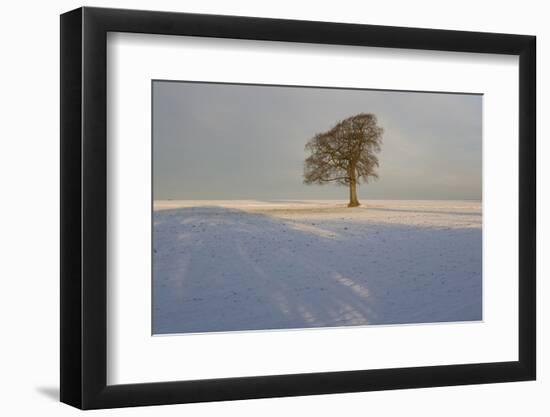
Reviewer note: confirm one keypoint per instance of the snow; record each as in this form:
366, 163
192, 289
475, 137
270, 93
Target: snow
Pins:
261, 265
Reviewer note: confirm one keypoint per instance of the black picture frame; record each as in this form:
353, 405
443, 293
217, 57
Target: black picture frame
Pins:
84, 207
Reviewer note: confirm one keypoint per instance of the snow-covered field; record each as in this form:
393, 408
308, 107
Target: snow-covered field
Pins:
251, 265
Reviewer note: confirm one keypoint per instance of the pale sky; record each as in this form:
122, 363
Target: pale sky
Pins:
231, 141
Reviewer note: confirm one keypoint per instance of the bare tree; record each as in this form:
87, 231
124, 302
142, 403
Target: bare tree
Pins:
345, 154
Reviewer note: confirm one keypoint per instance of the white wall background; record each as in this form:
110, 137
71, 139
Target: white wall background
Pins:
29, 176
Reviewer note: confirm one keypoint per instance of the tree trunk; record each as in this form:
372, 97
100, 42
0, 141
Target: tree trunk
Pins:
353, 201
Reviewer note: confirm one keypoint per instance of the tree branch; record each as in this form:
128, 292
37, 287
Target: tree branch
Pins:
334, 179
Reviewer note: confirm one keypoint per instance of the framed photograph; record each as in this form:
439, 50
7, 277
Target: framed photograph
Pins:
257, 208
